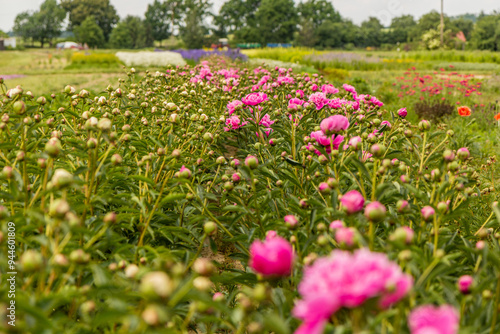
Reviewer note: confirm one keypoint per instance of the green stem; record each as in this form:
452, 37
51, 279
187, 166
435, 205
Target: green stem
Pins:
495, 307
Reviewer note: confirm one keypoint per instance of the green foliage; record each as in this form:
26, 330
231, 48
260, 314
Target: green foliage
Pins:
276, 21
42, 25
90, 33
119, 241
486, 35
157, 21
102, 10
128, 34
401, 29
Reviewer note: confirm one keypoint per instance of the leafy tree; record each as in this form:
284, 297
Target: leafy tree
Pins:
42, 25
318, 11
464, 25
307, 34
193, 28
401, 28
326, 39
371, 32
89, 32
3, 34
157, 21
486, 35
128, 34
237, 16
431, 20
104, 13
49, 21
276, 21
25, 26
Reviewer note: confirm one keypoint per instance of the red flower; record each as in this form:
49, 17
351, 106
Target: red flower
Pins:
497, 117
464, 111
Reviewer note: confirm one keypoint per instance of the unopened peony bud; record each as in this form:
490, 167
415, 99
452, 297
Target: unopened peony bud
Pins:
465, 283
53, 147
375, 211
58, 208
78, 256
202, 284
156, 284
19, 107
428, 213
116, 159
104, 124
203, 267
291, 221
31, 261
176, 154
463, 153
251, 162
424, 125
448, 155
210, 228
62, 178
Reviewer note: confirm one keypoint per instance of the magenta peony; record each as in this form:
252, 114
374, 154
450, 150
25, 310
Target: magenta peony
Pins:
272, 257
348, 280
319, 99
402, 112
429, 319
352, 201
334, 124
465, 283
254, 99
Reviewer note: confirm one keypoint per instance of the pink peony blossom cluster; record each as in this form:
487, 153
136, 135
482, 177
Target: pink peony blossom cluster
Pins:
254, 99
429, 319
347, 280
272, 257
234, 123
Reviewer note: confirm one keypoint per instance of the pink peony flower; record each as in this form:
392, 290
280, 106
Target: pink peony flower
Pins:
464, 284
234, 123
334, 124
231, 106
314, 87
254, 99
319, 99
336, 224
387, 123
329, 89
272, 257
323, 140
346, 279
429, 319
345, 235
349, 88
402, 112
266, 121
353, 201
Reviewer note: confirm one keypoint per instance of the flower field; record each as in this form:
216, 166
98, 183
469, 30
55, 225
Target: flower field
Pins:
226, 198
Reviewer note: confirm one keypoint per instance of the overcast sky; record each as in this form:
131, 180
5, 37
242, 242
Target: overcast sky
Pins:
356, 10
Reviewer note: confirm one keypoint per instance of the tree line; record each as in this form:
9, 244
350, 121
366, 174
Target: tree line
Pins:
310, 23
